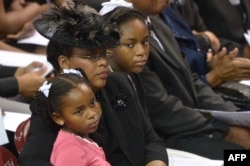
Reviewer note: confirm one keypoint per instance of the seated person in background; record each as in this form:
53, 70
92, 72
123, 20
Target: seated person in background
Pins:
75, 109
222, 66
228, 19
168, 63
190, 14
124, 131
15, 20
165, 111
21, 80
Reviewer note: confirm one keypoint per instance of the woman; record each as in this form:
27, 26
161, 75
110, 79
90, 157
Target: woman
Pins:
125, 133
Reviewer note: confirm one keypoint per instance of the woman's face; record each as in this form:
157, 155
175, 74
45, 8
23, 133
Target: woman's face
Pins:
96, 69
132, 54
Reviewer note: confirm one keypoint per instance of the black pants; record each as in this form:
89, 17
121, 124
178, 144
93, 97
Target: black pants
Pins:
209, 145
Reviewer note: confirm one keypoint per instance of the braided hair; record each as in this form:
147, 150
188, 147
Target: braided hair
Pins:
53, 101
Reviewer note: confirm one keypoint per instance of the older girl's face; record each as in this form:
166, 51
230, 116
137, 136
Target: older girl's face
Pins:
93, 62
132, 54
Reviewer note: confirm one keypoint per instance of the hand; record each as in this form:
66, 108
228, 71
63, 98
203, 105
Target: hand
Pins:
27, 31
228, 68
29, 83
216, 59
23, 70
239, 136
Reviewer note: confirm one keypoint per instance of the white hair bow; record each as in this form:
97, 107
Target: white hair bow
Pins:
73, 71
112, 4
45, 88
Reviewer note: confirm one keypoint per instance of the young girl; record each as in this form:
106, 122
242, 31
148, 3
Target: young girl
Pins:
69, 101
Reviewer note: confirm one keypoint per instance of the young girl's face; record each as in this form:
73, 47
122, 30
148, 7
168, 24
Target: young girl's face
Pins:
132, 54
80, 112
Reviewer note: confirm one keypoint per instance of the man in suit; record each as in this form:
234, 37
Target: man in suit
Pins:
227, 68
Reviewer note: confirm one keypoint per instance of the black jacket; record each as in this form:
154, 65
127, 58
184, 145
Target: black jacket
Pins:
8, 83
175, 74
125, 132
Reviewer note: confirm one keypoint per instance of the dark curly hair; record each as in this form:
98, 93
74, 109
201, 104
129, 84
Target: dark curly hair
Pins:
121, 15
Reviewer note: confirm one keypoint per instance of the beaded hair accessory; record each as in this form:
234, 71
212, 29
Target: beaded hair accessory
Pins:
46, 87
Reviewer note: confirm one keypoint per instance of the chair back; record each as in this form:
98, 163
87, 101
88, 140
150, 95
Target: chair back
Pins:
7, 158
21, 134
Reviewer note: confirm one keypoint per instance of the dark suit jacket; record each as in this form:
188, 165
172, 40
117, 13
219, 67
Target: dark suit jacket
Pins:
224, 20
125, 133
180, 126
168, 115
175, 74
8, 83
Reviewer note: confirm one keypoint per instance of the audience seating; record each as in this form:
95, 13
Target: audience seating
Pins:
7, 158
21, 134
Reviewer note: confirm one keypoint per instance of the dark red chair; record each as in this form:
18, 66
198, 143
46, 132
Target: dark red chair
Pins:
21, 134
7, 158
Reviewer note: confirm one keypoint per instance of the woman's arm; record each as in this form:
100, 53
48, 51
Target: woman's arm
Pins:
13, 21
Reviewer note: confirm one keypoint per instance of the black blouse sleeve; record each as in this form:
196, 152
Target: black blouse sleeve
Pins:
7, 71
8, 87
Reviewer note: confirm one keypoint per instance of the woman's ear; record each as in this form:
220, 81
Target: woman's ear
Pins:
57, 118
63, 62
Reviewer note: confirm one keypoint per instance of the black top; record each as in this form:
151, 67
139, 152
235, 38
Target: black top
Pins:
125, 132
8, 83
